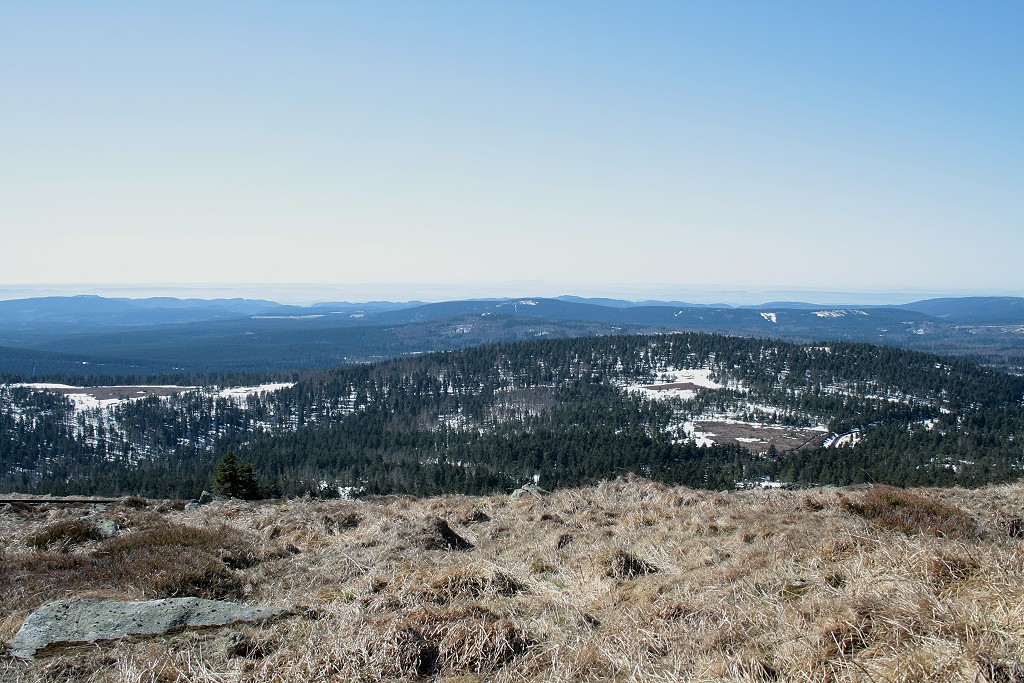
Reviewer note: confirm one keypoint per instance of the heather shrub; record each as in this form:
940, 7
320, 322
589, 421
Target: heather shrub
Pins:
910, 513
64, 534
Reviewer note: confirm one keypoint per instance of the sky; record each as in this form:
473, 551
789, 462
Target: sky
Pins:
431, 149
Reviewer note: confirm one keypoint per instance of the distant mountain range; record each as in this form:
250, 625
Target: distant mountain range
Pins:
97, 335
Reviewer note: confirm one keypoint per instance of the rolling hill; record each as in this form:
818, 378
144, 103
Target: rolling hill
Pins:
90, 336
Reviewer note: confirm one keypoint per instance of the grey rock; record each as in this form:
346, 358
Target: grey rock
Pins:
528, 490
205, 498
106, 527
7, 507
75, 622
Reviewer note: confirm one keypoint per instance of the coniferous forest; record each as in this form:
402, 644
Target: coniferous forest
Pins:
563, 412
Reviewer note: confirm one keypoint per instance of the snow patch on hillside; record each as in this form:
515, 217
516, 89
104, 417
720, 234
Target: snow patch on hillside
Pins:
239, 393
89, 398
676, 383
699, 438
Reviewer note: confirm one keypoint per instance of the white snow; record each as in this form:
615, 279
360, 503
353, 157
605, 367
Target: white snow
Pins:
848, 439
699, 378
289, 317
770, 317
699, 438
84, 400
453, 421
242, 392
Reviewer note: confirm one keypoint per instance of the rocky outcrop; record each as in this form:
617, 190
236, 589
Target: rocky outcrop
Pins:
75, 622
527, 491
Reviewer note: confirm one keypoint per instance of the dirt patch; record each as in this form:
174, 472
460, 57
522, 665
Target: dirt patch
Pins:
686, 386
760, 438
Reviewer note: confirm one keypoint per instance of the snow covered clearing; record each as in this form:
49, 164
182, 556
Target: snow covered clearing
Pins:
755, 436
240, 393
88, 398
675, 383
770, 317
289, 317
838, 313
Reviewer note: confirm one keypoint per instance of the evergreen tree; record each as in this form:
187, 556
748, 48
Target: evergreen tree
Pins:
234, 479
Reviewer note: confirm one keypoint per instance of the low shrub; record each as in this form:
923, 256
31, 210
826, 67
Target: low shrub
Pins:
910, 513
160, 560
174, 559
64, 534
224, 542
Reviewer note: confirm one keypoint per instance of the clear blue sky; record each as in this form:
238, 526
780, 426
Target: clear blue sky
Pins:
584, 146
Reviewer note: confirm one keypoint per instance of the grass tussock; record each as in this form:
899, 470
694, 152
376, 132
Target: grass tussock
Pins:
429, 641
64, 534
158, 558
911, 513
624, 565
624, 581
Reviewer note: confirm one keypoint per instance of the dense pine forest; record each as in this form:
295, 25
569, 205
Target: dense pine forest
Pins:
560, 412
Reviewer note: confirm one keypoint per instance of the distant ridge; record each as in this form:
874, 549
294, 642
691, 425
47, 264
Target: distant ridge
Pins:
973, 309
96, 335
790, 305
623, 303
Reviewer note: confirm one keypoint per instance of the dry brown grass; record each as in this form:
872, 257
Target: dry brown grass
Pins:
625, 581
63, 534
911, 513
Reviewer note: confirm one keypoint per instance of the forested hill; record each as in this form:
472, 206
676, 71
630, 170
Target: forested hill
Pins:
699, 409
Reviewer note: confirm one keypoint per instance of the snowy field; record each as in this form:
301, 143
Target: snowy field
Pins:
87, 398
109, 397
675, 383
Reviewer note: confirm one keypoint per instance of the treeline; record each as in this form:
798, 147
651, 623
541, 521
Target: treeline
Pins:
491, 418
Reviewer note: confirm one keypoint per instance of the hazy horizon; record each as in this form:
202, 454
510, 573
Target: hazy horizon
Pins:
307, 294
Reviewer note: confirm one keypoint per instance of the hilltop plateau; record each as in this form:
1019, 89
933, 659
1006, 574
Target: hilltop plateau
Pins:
626, 580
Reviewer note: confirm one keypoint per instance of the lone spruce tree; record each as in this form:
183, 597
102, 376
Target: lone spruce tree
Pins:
234, 479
